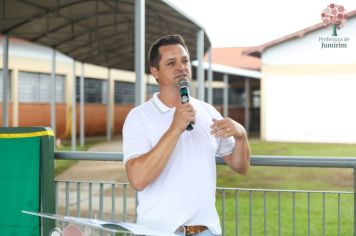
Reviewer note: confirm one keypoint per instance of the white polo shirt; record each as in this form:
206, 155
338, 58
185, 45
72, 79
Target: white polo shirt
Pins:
184, 193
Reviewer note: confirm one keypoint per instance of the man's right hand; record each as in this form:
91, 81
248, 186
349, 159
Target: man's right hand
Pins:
183, 115
143, 170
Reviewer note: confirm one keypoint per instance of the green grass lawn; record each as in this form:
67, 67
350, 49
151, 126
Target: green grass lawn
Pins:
259, 147
62, 165
290, 179
275, 223
284, 178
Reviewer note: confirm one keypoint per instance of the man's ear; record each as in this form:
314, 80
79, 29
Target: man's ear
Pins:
154, 72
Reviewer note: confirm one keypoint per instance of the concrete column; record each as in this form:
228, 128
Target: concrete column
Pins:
15, 97
81, 108
210, 80
53, 91
139, 51
5, 82
200, 69
226, 95
74, 105
109, 117
247, 104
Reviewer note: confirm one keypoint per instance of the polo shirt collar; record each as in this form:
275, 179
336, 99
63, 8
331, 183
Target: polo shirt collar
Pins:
159, 105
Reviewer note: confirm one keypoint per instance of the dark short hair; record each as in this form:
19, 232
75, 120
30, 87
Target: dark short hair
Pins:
153, 54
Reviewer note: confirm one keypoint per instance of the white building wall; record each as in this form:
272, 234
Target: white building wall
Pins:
30, 57
307, 50
309, 93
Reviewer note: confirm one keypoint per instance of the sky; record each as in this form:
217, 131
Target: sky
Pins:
241, 23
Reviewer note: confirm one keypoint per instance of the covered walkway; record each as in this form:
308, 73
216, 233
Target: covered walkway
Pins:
115, 34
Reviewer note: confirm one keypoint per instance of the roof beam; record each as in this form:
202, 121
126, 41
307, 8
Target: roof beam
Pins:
62, 26
73, 37
39, 15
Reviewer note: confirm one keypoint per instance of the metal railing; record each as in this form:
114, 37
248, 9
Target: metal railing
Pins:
269, 217
102, 200
264, 206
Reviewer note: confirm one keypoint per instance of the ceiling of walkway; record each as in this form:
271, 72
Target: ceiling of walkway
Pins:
97, 32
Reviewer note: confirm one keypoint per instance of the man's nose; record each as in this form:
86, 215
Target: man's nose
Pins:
180, 66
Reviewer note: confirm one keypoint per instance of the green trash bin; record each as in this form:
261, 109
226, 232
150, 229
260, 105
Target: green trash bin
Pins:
26, 180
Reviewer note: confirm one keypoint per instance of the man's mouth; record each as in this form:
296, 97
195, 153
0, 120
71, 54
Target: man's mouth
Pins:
181, 76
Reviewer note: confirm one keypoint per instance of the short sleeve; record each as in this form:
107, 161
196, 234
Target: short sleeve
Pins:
226, 146
135, 139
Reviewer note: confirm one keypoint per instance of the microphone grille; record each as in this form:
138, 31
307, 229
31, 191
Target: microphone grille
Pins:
183, 83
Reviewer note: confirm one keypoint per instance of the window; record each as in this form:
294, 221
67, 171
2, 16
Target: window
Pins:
151, 89
95, 90
124, 92
9, 89
36, 87
256, 98
218, 96
236, 97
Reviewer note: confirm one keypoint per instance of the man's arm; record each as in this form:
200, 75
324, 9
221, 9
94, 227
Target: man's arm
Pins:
143, 170
239, 159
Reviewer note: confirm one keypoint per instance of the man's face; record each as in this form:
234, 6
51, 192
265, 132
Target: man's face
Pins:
173, 66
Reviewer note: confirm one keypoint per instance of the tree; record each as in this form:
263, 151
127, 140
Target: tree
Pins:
334, 15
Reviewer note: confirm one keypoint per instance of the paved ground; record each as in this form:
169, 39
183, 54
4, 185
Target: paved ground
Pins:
98, 170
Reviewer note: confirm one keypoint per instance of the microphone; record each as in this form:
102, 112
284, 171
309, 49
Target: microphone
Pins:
184, 97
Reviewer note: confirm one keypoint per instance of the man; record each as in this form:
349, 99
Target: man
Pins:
172, 168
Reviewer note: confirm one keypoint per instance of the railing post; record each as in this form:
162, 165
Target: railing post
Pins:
335, 162
354, 200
